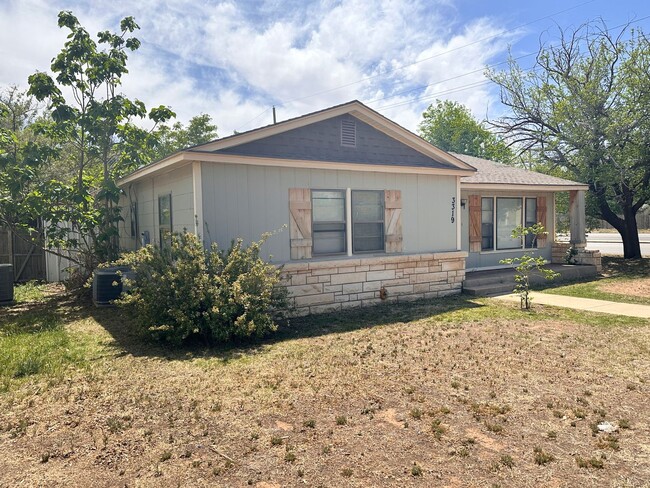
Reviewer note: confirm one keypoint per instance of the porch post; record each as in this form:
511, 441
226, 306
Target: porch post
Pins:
577, 218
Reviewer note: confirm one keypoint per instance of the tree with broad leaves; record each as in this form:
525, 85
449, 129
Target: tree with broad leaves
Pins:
170, 139
99, 129
452, 127
585, 109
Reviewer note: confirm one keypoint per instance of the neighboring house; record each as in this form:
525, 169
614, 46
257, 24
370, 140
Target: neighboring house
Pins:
372, 211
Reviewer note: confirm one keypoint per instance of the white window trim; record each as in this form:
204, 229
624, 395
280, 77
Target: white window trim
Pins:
494, 249
348, 223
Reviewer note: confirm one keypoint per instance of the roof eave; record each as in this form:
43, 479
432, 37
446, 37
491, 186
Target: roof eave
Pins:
522, 186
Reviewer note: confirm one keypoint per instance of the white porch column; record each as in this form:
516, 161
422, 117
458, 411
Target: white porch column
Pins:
577, 218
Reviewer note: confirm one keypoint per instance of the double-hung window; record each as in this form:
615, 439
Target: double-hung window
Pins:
329, 222
367, 221
331, 226
500, 216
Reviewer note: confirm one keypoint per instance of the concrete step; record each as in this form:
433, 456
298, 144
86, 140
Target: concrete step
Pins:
489, 289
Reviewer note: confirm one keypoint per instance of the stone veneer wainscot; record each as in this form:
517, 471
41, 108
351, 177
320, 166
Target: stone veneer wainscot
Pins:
331, 285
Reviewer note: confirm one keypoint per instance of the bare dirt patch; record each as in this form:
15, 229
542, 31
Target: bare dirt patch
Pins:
639, 287
465, 395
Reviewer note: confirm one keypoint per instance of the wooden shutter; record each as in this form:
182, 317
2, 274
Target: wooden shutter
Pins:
475, 234
541, 218
393, 220
300, 222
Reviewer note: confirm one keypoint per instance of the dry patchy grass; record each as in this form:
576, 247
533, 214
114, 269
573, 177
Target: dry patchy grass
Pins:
453, 392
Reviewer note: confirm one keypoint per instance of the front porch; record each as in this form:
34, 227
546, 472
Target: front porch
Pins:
499, 281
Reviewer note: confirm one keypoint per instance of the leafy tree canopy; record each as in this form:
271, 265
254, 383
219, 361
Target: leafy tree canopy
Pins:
170, 139
96, 129
451, 127
585, 109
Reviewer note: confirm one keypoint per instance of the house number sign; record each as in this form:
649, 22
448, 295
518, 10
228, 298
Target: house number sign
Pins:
453, 209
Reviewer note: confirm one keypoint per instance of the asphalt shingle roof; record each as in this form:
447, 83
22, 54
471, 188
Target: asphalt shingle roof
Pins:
491, 172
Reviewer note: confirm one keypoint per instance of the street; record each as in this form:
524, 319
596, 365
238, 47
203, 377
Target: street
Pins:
611, 243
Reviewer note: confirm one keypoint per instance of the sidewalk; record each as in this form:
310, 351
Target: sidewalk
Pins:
589, 304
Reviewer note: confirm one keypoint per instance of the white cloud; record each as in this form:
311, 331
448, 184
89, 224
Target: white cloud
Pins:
233, 61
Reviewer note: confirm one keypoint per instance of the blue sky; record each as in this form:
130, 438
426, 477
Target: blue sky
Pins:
235, 60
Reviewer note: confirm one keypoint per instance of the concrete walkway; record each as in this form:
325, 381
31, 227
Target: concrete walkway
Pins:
589, 304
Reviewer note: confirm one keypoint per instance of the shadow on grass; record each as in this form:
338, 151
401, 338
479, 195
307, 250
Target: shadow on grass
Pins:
127, 338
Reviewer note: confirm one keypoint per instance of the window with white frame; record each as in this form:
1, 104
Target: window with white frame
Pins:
328, 222
367, 221
331, 227
500, 216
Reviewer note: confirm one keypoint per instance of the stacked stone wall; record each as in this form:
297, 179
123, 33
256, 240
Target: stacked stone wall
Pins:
332, 285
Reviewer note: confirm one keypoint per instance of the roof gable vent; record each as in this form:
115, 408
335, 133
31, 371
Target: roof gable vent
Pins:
348, 133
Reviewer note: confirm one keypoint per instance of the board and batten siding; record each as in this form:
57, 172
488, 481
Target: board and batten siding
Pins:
146, 192
483, 259
246, 201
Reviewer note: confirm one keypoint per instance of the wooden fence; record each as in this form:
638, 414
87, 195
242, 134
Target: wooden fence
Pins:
28, 259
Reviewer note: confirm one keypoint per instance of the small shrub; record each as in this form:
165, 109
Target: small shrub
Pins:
624, 424
341, 420
309, 424
416, 413
416, 470
438, 429
165, 456
184, 290
276, 441
347, 472
289, 457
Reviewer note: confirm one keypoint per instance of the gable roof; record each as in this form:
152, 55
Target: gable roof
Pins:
218, 150
491, 174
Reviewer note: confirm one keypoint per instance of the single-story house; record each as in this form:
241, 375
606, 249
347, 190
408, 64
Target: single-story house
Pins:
366, 210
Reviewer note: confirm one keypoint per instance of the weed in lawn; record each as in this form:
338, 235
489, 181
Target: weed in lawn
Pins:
494, 427
276, 441
311, 424
114, 424
624, 424
341, 420
438, 429
507, 461
542, 457
608, 441
32, 291
589, 463
289, 457
165, 456
416, 413
416, 470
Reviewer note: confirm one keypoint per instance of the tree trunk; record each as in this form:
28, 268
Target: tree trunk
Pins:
630, 235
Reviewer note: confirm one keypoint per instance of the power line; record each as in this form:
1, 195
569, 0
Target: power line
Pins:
437, 54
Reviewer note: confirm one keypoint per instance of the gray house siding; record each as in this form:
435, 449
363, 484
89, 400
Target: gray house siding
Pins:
246, 201
321, 141
146, 192
486, 259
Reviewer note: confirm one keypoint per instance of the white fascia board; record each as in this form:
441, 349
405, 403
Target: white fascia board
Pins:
180, 159
520, 187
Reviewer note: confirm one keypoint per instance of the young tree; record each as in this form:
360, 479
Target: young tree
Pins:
451, 127
585, 108
99, 130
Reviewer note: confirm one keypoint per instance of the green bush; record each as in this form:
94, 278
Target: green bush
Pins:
185, 289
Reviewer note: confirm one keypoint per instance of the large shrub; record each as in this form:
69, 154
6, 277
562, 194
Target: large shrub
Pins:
184, 290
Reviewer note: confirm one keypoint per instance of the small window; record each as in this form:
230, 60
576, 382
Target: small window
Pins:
367, 221
328, 222
531, 219
165, 219
487, 224
348, 133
